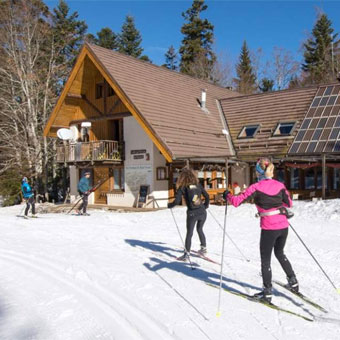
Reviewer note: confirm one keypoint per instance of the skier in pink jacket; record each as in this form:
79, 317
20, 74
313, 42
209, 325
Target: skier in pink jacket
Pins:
272, 200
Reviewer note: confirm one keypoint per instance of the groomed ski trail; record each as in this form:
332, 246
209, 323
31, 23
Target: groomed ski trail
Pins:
120, 318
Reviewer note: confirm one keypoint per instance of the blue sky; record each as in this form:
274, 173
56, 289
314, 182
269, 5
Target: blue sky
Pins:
264, 24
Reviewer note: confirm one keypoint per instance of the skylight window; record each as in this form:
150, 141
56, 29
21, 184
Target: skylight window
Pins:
284, 129
249, 131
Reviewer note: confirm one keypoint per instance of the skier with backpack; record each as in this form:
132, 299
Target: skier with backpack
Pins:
28, 197
84, 190
272, 200
188, 187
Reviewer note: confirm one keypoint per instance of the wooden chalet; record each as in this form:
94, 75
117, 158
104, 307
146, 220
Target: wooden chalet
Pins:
136, 124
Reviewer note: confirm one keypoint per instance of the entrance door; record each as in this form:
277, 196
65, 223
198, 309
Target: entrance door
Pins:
101, 174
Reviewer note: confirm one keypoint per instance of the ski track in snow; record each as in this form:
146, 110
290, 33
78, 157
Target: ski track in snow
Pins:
115, 277
114, 312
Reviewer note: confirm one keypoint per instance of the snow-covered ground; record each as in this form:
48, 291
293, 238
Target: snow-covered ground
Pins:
114, 276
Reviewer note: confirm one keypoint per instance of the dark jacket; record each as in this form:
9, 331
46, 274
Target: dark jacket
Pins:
192, 195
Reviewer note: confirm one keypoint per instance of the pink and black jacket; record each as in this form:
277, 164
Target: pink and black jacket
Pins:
268, 195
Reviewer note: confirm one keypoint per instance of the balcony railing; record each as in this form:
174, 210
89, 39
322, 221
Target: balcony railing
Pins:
104, 150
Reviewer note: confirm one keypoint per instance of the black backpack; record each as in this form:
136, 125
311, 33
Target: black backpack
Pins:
193, 196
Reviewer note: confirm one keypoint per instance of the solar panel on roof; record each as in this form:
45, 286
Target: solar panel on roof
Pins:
305, 124
320, 129
328, 90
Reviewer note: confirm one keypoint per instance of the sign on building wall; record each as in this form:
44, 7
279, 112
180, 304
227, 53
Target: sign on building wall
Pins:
139, 154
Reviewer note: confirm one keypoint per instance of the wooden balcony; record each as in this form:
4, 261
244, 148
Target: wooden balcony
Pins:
106, 151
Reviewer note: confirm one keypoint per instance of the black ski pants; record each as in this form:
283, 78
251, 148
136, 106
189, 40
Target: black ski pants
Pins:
30, 202
193, 218
84, 203
273, 239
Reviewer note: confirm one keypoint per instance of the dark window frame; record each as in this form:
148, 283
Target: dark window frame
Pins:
243, 131
277, 133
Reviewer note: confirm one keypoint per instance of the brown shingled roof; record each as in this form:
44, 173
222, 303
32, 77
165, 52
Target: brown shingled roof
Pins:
167, 101
266, 109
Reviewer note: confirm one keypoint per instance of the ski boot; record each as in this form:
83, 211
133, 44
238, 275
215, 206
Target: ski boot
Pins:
78, 212
293, 283
265, 295
203, 250
34, 216
25, 217
184, 257
85, 214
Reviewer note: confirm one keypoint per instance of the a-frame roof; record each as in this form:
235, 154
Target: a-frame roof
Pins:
164, 102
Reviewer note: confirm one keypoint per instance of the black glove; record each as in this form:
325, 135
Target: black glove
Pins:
225, 194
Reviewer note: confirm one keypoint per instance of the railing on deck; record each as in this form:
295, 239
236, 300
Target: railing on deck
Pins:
104, 150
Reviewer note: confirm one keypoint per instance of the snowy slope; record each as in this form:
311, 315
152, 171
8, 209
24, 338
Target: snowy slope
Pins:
114, 276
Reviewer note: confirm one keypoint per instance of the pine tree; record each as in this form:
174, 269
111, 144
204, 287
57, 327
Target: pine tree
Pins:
266, 85
171, 60
107, 39
246, 81
68, 35
320, 53
197, 56
130, 39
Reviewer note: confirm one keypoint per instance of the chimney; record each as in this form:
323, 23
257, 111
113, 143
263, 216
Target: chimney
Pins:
203, 99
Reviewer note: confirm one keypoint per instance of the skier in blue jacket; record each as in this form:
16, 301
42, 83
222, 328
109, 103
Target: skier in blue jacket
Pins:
84, 190
28, 197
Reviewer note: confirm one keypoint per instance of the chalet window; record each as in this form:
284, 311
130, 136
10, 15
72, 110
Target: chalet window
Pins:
110, 92
200, 176
117, 179
284, 129
209, 182
336, 179
310, 178
220, 181
99, 91
294, 178
249, 131
161, 173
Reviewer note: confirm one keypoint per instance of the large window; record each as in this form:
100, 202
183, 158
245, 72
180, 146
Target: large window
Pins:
294, 178
319, 178
336, 179
284, 129
117, 179
280, 175
310, 178
249, 131
220, 180
200, 175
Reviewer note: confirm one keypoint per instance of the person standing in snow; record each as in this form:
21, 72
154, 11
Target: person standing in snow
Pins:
84, 190
272, 200
28, 197
189, 188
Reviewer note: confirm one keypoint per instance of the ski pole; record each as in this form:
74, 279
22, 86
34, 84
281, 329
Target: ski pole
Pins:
231, 240
218, 313
75, 205
22, 210
179, 233
337, 289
